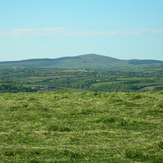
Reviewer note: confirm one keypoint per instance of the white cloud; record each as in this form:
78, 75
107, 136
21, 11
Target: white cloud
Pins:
32, 32
53, 32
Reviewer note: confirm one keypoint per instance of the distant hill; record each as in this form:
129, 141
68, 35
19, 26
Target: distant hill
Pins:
87, 61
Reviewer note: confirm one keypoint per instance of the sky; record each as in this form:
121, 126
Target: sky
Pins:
124, 29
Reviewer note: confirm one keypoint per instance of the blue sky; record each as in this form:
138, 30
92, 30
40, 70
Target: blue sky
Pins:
125, 29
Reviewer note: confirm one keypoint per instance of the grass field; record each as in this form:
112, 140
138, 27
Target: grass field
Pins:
81, 127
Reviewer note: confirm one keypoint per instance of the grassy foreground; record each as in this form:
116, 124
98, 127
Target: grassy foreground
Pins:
81, 127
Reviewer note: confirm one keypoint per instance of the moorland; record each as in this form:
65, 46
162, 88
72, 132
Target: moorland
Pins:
81, 127
81, 114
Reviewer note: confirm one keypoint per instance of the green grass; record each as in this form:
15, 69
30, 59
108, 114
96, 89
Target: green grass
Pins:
81, 127
104, 83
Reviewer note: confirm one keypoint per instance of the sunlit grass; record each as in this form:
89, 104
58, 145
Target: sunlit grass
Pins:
81, 127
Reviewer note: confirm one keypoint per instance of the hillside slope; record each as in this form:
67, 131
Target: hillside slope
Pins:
88, 61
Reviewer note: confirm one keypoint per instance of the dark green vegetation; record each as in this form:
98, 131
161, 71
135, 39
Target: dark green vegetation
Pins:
81, 127
41, 79
89, 61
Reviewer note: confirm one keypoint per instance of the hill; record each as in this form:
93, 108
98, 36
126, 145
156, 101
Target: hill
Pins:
88, 61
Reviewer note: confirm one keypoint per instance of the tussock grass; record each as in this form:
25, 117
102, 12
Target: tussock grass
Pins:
81, 127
